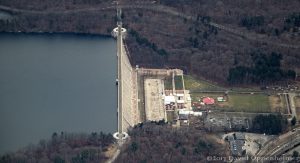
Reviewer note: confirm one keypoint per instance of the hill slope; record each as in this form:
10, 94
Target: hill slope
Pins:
210, 39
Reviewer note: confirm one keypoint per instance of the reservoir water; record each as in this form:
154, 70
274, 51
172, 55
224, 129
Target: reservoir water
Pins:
54, 83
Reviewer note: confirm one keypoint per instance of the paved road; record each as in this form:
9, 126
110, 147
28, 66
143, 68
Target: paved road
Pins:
281, 144
253, 36
287, 101
115, 156
282, 148
159, 8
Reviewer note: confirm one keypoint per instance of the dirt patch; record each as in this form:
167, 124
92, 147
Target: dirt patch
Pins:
277, 104
297, 104
223, 104
111, 150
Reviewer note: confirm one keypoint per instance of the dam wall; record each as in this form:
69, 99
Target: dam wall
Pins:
129, 91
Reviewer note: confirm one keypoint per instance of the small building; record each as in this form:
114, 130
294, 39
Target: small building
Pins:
197, 113
183, 117
208, 101
188, 98
236, 147
221, 99
189, 112
237, 141
180, 101
180, 95
185, 112
196, 105
169, 100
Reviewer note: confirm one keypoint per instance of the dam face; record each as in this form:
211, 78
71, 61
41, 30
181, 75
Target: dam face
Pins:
127, 86
129, 91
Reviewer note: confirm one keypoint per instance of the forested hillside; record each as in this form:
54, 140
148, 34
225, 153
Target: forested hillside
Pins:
162, 143
148, 142
65, 147
217, 43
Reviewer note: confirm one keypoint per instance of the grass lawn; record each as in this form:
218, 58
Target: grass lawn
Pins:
238, 102
194, 84
178, 83
249, 103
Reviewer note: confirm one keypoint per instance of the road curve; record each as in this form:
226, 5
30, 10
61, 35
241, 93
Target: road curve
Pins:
282, 143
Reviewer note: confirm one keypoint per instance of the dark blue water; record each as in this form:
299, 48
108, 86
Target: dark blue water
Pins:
54, 83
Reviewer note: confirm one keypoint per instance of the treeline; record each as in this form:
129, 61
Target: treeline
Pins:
252, 21
162, 40
86, 23
144, 41
44, 4
266, 69
200, 37
292, 22
269, 124
63, 147
152, 142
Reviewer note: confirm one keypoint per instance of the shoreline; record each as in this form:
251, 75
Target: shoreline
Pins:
58, 33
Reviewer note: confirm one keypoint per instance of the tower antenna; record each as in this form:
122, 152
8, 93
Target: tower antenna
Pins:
119, 15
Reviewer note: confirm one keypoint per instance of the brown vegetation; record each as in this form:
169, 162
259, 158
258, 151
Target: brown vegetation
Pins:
162, 143
277, 104
148, 142
160, 39
75, 148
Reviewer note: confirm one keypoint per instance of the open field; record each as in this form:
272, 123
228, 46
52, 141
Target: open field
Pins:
297, 103
249, 103
194, 84
238, 102
278, 104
